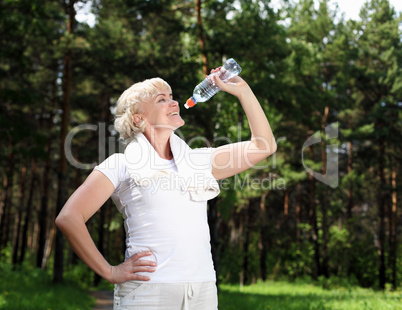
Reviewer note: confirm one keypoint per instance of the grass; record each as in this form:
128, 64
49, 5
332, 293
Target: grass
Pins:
304, 296
34, 289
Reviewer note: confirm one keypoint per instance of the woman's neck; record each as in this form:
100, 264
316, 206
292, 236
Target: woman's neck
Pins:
160, 140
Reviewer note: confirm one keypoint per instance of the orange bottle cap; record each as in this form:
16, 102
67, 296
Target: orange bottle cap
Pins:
190, 103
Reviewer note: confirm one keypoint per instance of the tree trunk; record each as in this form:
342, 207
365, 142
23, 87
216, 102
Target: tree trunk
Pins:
246, 243
298, 212
324, 248
324, 267
61, 194
286, 204
393, 222
263, 237
284, 225
350, 189
201, 38
43, 213
6, 215
28, 212
35, 228
298, 222
2, 198
18, 219
210, 126
49, 242
314, 226
349, 205
42, 218
381, 214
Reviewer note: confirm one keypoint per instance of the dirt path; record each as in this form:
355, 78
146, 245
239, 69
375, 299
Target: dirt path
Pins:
104, 300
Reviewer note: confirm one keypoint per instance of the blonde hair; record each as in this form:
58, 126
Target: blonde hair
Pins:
131, 102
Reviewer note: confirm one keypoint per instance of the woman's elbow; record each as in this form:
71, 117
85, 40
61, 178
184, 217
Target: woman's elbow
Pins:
266, 150
265, 146
270, 148
62, 221
273, 148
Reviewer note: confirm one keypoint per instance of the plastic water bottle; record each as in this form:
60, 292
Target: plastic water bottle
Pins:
207, 88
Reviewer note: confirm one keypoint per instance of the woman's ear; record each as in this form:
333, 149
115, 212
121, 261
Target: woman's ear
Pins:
137, 119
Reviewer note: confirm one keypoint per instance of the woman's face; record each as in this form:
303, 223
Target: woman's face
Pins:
162, 112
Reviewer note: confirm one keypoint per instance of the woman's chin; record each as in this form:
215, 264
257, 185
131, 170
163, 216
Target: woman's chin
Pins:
181, 124
178, 123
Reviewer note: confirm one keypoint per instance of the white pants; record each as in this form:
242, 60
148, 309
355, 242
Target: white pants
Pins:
165, 296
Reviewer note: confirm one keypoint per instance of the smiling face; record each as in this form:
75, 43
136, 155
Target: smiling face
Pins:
162, 112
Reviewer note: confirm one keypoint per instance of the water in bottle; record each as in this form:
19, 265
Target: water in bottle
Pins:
207, 88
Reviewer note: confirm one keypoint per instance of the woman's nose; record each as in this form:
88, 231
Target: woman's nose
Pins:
174, 103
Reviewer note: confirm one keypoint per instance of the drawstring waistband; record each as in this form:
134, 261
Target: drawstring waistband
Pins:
190, 290
188, 295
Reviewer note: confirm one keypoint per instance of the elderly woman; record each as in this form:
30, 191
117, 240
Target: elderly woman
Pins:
161, 187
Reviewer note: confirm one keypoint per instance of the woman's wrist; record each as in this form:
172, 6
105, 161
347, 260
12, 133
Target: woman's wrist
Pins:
107, 273
245, 94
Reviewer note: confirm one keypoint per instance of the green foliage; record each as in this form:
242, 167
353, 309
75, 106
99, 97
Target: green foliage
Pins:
33, 289
300, 63
338, 245
304, 295
299, 259
80, 273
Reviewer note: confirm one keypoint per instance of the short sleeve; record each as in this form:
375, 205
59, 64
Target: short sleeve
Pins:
206, 156
113, 168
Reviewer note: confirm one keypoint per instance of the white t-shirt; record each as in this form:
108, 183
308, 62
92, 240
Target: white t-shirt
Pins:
162, 218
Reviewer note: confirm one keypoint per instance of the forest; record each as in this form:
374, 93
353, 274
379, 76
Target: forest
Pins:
326, 204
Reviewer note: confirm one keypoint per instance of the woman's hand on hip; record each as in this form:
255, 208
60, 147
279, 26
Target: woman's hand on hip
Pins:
127, 270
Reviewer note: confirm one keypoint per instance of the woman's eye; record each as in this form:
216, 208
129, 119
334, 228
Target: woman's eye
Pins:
162, 100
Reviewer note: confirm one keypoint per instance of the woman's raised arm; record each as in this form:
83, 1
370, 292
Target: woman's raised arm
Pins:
234, 158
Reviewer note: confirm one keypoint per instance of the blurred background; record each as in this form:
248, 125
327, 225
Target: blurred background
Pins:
64, 63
